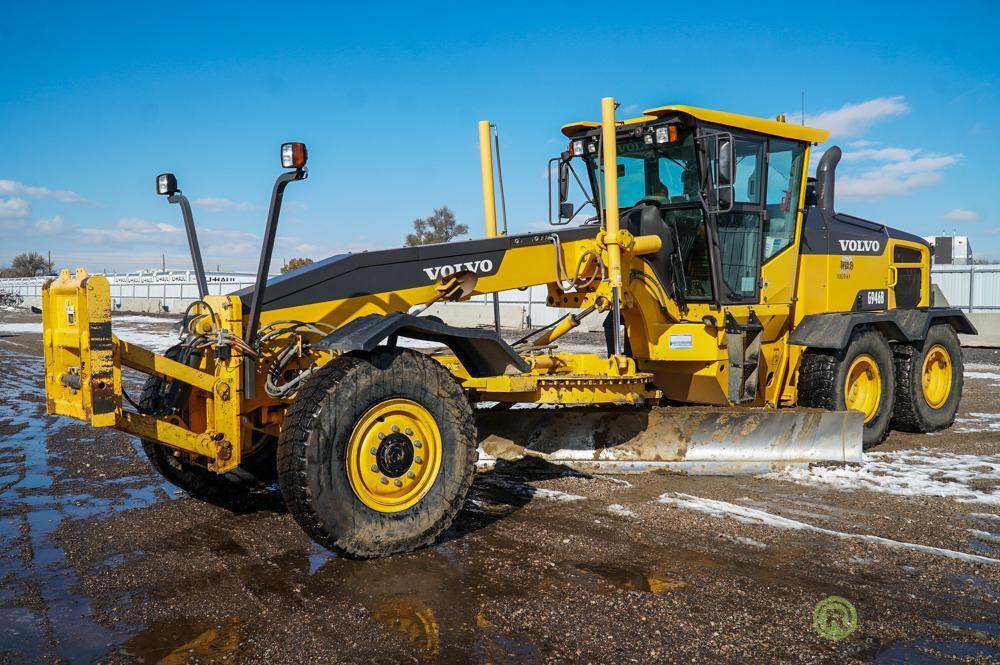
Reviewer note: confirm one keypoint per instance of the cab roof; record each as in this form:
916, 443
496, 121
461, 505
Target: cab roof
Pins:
760, 125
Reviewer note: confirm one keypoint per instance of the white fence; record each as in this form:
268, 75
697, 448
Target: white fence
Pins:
153, 291
974, 288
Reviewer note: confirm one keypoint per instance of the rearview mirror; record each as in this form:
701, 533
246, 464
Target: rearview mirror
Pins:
566, 210
563, 181
721, 171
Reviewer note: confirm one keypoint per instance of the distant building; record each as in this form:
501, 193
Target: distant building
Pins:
950, 250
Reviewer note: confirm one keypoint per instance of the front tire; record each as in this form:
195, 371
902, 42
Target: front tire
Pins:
860, 378
377, 453
237, 489
929, 375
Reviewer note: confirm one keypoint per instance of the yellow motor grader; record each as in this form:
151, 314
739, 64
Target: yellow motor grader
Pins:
748, 326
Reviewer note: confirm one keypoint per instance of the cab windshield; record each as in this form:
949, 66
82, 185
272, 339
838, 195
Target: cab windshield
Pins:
664, 173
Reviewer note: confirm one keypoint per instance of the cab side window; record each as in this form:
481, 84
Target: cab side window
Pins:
784, 180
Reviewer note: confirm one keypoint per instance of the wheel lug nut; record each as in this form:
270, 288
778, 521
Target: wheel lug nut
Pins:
408, 431
374, 467
395, 428
384, 480
398, 482
372, 451
418, 459
409, 474
381, 435
416, 443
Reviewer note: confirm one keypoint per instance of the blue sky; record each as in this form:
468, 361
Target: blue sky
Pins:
98, 98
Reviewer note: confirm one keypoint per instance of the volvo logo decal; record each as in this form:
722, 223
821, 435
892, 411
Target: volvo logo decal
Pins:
479, 266
861, 246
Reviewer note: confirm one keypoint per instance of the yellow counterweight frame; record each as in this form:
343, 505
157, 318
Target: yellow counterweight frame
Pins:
83, 373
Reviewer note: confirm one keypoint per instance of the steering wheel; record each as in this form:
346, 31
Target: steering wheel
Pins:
652, 200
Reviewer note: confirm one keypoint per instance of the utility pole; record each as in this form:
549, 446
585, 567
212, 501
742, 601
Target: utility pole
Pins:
164, 264
50, 261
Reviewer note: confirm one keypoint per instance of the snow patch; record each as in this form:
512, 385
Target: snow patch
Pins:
152, 340
157, 341
21, 327
530, 491
743, 540
991, 376
978, 422
760, 518
908, 473
987, 536
620, 510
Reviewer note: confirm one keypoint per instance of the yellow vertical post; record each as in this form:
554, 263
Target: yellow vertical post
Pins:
486, 161
610, 149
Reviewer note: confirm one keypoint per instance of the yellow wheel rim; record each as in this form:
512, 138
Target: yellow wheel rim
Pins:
863, 389
394, 455
936, 376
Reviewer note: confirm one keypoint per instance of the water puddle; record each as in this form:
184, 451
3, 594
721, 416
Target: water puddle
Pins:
185, 641
52, 617
633, 579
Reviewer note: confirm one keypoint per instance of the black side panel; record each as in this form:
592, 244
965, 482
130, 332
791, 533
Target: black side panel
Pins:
826, 232
833, 331
481, 352
366, 273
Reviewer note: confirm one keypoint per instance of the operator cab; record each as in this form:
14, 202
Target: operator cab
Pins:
722, 192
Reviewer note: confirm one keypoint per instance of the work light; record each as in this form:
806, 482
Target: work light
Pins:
294, 155
578, 148
166, 184
666, 134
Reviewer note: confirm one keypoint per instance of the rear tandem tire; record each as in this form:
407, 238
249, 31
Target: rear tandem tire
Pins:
234, 490
351, 464
824, 379
928, 389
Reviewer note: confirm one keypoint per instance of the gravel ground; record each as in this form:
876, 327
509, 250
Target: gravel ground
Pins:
103, 561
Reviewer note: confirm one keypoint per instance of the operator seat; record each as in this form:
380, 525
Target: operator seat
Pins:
647, 220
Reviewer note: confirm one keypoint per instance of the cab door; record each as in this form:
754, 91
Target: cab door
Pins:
754, 259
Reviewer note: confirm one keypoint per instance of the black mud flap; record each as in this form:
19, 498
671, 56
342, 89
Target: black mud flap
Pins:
481, 352
833, 331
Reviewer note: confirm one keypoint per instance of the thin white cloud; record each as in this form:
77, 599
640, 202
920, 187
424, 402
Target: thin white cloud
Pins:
219, 204
50, 226
881, 154
961, 215
15, 188
855, 119
893, 172
133, 229
888, 172
14, 208
869, 186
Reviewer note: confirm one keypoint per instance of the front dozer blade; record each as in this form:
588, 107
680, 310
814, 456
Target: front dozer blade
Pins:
686, 440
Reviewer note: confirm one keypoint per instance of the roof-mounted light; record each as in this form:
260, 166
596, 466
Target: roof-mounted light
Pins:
294, 156
578, 148
667, 134
166, 184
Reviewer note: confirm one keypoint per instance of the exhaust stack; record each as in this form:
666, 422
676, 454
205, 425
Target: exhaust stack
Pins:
826, 173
